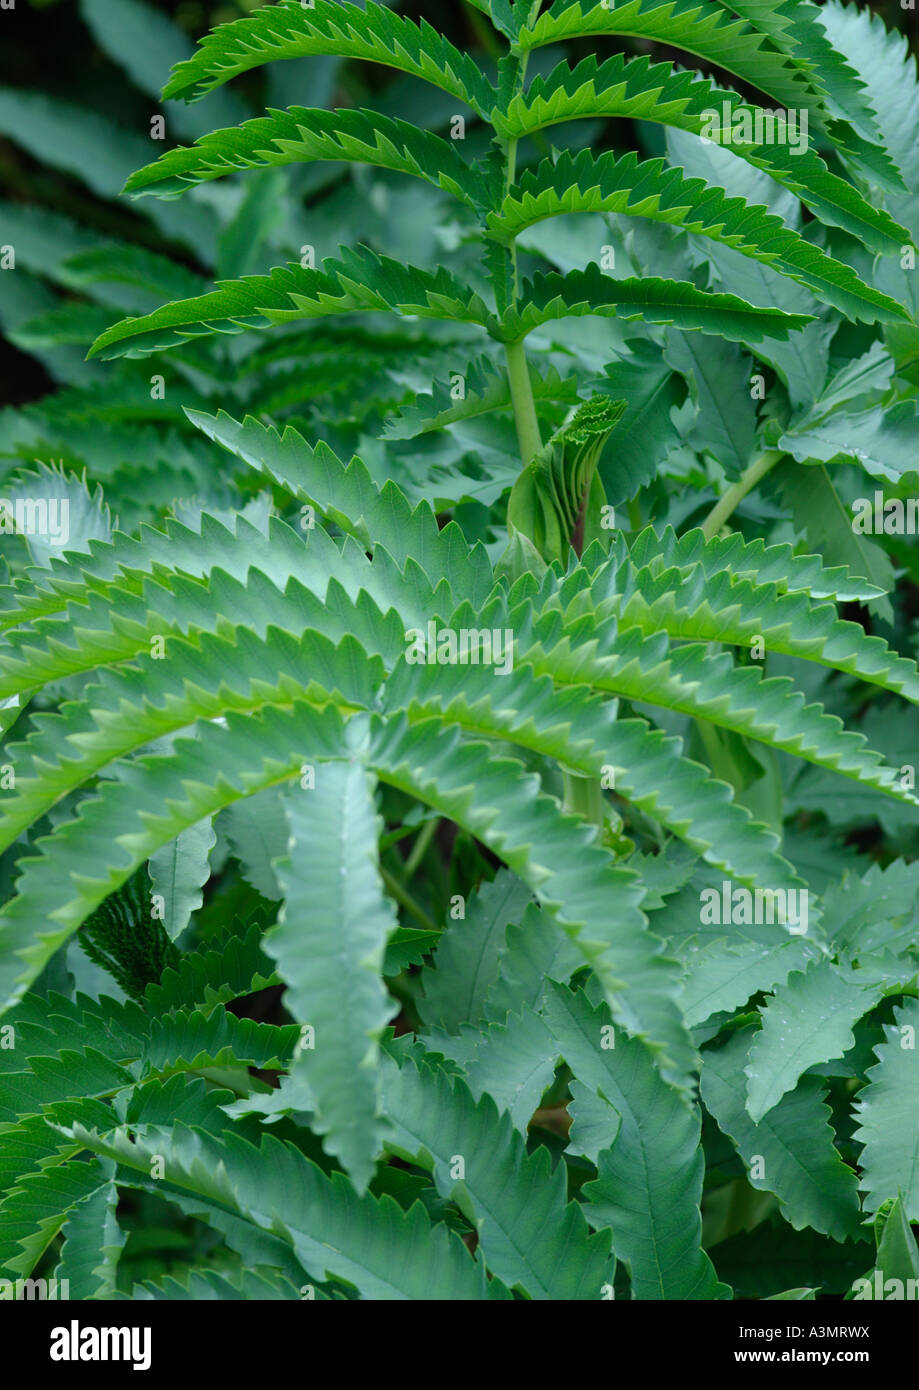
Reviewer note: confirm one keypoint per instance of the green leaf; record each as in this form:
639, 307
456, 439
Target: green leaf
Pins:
146, 43
557, 501
56, 512
580, 293
509, 1061
178, 872
791, 1151
193, 1041
694, 682
360, 282
648, 188
886, 1110
881, 440
723, 974
347, 30
304, 134
211, 976
591, 898
640, 89
646, 431
93, 1242
329, 944
376, 516
888, 70
718, 378
32, 1214
808, 1020
485, 389
721, 608
704, 31
256, 830
582, 732
774, 1256
650, 1179
799, 30
101, 153
530, 1235
258, 1284
802, 361
385, 1253
818, 512
466, 961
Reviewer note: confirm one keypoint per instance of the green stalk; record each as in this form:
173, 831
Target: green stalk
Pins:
483, 31
735, 494
518, 375
420, 847
401, 895
583, 797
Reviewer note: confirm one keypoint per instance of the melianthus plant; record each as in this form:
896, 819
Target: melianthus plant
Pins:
245, 693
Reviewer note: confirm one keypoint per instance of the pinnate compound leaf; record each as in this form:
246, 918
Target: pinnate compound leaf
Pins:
93, 1242
385, 1253
886, 1110
178, 873
360, 282
808, 1020
329, 944
529, 1234
791, 1152
347, 30
580, 293
650, 1179
466, 961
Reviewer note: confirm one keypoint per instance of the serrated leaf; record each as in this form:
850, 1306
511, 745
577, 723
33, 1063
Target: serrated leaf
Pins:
466, 961
530, 1235
304, 134
791, 1151
329, 944
178, 873
580, 293
289, 30
886, 1110
93, 1242
359, 282
648, 188
650, 1180
808, 1020
386, 1254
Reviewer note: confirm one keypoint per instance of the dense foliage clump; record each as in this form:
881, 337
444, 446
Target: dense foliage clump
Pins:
457, 790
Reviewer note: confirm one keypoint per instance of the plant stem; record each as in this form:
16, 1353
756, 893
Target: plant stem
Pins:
405, 899
528, 437
518, 375
510, 166
583, 797
735, 494
419, 848
483, 31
